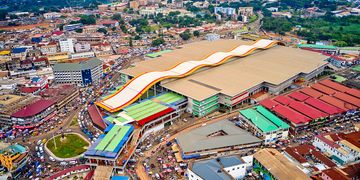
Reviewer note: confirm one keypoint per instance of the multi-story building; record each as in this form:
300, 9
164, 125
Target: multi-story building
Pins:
82, 74
57, 57
264, 124
67, 45
34, 113
342, 148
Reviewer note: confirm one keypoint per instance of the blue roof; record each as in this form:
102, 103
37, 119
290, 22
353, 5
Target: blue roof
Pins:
120, 178
230, 161
209, 169
18, 50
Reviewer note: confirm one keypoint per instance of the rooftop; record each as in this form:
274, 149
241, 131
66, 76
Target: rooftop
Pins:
278, 165
89, 64
33, 109
204, 137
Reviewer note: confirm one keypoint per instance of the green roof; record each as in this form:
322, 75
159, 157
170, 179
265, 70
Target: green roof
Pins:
116, 140
169, 98
339, 78
108, 137
144, 109
356, 68
272, 117
157, 54
258, 120
350, 48
316, 46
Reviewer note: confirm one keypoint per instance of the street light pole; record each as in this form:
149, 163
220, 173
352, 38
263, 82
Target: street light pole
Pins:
54, 142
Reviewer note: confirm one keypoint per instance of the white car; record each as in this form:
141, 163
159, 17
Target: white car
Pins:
52, 159
73, 162
63, 163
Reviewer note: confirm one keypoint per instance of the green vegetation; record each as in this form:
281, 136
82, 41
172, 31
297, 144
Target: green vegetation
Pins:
102, 30
73, 121
344, 31
87, 19
196, 33
185, 35
71, 146
158, 42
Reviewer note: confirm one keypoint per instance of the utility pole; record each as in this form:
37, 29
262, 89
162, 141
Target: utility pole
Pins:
54, 142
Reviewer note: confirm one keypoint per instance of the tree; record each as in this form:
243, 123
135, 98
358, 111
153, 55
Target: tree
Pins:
196, 33
340, 43
78, 30
102, 30
116, 17
123, 28
137, 37
87, 19
61, 27
185, 35
239, 18
130, 42
158, 42
113, 28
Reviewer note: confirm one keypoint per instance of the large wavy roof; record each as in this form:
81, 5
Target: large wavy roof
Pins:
137, 86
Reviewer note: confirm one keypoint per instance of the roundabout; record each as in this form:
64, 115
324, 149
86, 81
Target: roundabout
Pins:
67, 146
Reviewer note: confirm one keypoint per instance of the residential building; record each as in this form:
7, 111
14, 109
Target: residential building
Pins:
342, 148
350, 172
82, 74
61, 95
58, 57
19, 53
49, 48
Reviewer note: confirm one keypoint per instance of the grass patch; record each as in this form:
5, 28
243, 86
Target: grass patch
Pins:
73, 121
72, 146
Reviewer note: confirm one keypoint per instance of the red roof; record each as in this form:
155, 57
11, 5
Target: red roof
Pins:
284, 100
268, 103
327, 141
323, 89
142, 122
298, 96
34, 108
29, 89
96, 117
75, 168
307, 110
336, 102
353, 92
291, 115
334, 85
320, 105
58, 33
347, 98
311, 92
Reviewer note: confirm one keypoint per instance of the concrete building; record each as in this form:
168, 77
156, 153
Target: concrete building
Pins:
34, 113
228, 85
215, 139
14, 158
264, 124
49, 48
226, 168
82, 74
67, 45
51, 15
